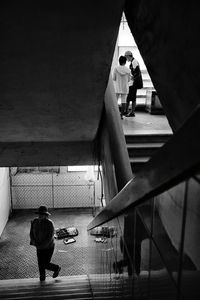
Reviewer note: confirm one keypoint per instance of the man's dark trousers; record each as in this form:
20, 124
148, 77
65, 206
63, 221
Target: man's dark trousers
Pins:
44, 257
131, 97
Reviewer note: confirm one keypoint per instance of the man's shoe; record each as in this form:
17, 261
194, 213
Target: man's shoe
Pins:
42, 277
131, 114
55, 274
42, 282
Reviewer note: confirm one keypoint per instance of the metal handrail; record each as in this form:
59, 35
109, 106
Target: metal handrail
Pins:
117, 139
176, 161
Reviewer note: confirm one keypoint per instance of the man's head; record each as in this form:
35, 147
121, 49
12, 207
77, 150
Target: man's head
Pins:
128, 55
43, 211
122, 60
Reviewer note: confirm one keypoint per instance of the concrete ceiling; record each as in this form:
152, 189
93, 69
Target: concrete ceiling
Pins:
55, 58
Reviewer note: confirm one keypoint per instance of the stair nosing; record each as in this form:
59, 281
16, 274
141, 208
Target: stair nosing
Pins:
155, 133
142, 159
144, 145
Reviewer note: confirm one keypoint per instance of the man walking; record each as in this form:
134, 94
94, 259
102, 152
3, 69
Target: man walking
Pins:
42, 237
137, 83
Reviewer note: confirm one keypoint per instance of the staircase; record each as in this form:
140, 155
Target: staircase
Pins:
142, 146
71, 287
100, 287
142, 93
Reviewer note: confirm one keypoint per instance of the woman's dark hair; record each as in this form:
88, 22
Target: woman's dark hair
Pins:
122, 60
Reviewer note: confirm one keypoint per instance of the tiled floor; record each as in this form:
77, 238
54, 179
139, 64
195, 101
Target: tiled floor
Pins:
18, 258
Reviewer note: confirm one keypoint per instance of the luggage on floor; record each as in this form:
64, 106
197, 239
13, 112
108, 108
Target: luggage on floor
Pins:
66, 232
106, 231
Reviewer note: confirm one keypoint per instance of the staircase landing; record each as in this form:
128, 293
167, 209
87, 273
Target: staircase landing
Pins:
144, 123
144, 134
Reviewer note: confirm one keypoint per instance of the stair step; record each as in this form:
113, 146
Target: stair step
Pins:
55, 295
10, 283
139, 160
141, 101
48, 283
141, 104
51, 289
144, 145
142, 149
150, 138
141, 92
111, 297
105, 295
141, 96
147, 84
47, 288
70, 287
147, 88
137, 163
105, 287
47, 297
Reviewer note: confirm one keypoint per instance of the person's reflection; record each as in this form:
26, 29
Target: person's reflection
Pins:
130, 244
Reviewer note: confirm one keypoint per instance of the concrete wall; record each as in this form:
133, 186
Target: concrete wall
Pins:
170, 206
166, 33
5, 202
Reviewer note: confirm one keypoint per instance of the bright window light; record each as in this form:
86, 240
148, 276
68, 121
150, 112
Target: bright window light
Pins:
77, 168
81, 168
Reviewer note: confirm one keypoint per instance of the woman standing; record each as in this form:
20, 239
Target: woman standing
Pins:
122, 76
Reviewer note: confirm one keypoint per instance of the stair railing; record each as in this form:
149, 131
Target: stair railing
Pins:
134, 217
111, 145
176, 161
116, 169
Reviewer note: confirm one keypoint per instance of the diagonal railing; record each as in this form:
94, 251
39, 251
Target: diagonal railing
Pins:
176, 161
142, 260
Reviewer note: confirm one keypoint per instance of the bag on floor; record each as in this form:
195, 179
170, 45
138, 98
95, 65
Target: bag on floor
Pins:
66, 232
106, 231
67, 241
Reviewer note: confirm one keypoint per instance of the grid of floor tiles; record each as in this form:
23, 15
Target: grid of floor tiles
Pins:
18, 258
